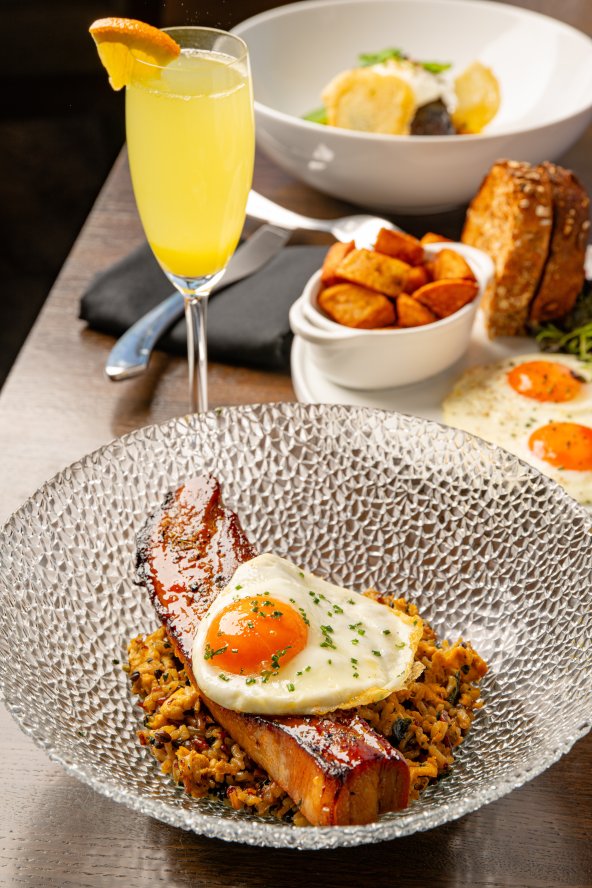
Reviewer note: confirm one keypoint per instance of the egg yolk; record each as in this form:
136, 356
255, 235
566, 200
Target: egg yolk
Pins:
566, 445
544, 381
254, 635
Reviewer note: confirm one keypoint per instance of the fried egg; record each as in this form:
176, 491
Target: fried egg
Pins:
279, 640
538, 407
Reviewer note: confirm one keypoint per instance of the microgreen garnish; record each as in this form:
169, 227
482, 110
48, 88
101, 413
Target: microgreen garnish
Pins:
367, 59
435, 67
575, 341
317, 115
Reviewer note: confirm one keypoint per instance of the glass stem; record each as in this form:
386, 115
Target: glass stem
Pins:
196, 307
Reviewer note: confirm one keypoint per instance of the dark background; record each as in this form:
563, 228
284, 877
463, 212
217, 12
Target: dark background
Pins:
61, 127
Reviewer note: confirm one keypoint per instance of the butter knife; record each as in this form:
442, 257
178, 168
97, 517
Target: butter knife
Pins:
130, 355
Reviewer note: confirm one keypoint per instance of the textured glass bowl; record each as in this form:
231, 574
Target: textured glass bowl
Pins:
486, 547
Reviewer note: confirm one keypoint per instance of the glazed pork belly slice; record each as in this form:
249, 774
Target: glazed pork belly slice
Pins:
336, 767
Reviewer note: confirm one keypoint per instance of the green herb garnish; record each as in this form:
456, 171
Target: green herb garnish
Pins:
571, 334
209, 653
435, 67
367, 59
319, 115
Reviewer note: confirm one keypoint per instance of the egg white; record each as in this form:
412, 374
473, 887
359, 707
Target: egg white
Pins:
370, 655
483, 403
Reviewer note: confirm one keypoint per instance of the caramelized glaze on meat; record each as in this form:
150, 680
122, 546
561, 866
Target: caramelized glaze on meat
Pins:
335, 766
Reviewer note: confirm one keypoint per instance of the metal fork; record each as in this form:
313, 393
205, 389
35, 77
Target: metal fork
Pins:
360, 228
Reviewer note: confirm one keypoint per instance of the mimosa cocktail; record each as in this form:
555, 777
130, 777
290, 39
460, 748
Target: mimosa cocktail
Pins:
190, 134
190, 142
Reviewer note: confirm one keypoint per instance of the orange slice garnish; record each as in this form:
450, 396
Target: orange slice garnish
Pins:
120, 40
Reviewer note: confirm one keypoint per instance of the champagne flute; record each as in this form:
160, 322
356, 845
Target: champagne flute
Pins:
190, 139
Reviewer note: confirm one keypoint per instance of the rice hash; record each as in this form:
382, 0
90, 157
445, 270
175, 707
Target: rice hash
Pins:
426, 721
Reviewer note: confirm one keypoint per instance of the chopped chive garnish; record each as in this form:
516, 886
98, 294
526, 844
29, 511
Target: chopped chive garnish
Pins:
209, 653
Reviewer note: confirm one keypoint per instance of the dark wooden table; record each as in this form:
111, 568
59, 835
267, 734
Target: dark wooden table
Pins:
58, 405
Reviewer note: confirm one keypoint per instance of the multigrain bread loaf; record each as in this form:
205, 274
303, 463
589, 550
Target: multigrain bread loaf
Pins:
563, 274
534, 223
510, 218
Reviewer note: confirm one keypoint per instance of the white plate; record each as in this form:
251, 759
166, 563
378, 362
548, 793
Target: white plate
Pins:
421, 399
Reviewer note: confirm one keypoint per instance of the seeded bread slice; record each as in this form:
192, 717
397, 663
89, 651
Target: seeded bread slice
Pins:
510, 218
563, 275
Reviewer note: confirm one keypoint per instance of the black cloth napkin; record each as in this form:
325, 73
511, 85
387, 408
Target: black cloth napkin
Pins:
247, 322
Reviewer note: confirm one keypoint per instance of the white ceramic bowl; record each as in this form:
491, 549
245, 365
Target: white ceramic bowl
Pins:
379, 359
544, 68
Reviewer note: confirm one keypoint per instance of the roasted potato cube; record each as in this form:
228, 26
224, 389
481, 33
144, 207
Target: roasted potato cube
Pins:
449, 264
355, 306
375, 271
431, 238
412, 313
445, 297
335, 254
478, 98
362, 99
417, 277
399, 245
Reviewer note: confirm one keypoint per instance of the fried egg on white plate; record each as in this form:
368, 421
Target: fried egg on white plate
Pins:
538, 407
279, 640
